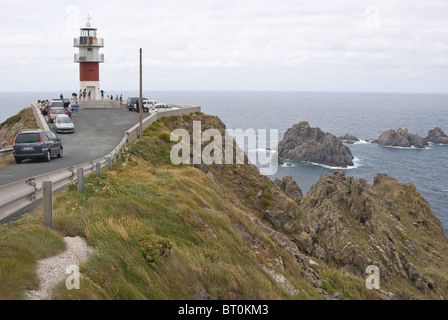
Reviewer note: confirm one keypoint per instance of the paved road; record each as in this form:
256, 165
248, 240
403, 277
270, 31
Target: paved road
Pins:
97, 132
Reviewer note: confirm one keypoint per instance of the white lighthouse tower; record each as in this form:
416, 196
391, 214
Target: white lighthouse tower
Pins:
89, 59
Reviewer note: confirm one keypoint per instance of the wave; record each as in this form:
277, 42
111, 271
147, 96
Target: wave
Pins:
356, 164
405, 148
263, 150
444, 190
361, 142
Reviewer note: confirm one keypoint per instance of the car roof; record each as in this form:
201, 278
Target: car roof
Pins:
30, 131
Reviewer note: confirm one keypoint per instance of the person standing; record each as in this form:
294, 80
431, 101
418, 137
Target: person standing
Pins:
61, 96
45, 114
121, 98
102, 94
69, 112
76, 106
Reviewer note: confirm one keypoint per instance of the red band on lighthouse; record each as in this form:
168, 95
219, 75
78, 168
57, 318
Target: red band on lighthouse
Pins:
89, 71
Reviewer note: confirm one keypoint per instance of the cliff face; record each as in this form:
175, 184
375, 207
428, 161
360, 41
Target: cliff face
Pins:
386, 224
345, 224
303, 143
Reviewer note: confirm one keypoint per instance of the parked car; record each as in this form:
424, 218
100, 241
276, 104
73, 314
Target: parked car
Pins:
36, 144
54, 112
63, 123
56, 103
148, 104
132, 103
161, 107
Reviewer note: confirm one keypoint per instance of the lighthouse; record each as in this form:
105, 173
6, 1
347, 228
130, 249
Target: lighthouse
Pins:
89, 59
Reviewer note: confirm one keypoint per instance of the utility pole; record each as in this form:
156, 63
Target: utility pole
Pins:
140, 99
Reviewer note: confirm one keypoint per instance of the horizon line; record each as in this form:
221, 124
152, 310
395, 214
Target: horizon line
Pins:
236, 90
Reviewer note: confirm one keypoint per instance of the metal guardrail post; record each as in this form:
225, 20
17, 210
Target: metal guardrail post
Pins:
47, 189
109, 162
80, 173
98, 169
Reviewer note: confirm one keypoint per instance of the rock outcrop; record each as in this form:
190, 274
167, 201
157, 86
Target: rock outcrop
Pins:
348, 138
437, 136
303, 143
401, 138
289, 187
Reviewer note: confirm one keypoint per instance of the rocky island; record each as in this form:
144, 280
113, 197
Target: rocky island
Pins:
348, 138
401, 138
437, 136
303, 143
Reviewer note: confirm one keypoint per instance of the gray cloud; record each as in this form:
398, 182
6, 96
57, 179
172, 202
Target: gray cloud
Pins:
348, 45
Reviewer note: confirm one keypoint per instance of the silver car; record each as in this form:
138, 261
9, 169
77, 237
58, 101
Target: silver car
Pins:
161, 107
63, 123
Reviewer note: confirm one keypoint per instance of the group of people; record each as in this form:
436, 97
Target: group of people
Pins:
44, 107
111, 97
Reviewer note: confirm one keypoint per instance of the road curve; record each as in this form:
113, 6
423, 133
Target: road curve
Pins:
97, 132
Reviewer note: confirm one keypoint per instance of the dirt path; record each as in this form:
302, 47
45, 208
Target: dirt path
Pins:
52, 270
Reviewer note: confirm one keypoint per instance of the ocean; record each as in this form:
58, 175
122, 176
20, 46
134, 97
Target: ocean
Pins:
365, 115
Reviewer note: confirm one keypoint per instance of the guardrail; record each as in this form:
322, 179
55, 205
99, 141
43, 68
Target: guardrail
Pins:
5, 152
17, 195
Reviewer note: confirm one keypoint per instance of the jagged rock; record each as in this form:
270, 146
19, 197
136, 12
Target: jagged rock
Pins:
348, 138
289, 187
437, 136
401, 138
303, 143
282, 281
277, 218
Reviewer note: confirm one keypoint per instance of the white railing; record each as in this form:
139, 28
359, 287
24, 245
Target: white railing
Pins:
98, 58
17, 195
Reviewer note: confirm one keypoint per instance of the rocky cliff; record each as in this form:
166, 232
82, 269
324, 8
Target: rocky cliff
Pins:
401, 138
343, 225
303, 143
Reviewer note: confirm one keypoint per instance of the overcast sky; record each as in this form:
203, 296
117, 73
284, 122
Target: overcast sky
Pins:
320, 45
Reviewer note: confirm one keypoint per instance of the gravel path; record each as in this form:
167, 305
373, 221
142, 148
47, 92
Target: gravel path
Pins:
52, 270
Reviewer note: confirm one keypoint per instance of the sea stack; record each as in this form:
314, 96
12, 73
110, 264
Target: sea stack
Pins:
348, 138
401, 138
303, 143
437, 136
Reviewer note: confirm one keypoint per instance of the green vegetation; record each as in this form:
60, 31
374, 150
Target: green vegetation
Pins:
11, 120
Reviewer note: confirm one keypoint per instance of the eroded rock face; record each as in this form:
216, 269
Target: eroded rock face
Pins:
352, 224
303, 143
401, 138
437, 136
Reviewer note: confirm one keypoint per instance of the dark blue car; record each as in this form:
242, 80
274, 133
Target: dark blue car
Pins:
36, 144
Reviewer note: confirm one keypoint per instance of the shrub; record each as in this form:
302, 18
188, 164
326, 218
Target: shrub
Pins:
154, 247
165, 136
